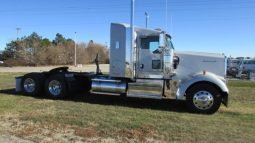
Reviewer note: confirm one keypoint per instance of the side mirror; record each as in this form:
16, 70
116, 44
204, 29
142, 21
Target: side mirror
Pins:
162, 40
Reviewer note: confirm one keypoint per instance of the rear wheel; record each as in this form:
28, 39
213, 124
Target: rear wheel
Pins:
32, 84
203, 98
55, 86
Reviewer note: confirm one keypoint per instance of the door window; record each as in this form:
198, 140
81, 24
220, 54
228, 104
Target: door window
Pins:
153, 46
150, 43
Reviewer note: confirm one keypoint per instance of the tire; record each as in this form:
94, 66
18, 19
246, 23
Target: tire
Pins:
55, 87
206, 92
32, 84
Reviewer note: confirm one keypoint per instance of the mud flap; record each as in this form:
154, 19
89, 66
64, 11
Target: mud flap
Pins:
225, 99
18, 86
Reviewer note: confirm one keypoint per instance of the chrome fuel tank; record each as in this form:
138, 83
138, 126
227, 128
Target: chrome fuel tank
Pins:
108, 85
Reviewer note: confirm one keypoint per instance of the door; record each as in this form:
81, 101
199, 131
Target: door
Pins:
150, 58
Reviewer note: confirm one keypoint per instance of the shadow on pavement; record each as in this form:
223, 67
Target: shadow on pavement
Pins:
154, 104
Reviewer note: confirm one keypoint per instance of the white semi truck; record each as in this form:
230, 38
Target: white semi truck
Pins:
145, 67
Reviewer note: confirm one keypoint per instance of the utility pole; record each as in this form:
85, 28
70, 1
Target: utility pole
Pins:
146, 19
18, 30
75, 58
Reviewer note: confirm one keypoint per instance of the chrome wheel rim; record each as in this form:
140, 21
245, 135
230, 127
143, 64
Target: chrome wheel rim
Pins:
203, 100
29, 85
55, 88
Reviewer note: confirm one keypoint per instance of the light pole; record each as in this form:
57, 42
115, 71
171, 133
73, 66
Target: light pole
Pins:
75, 58
166, 15
146, 19
18, 30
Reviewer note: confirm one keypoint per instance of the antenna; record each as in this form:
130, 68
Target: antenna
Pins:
171, 25
166, 16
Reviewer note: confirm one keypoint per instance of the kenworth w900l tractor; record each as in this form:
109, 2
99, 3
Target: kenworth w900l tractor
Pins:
143, 64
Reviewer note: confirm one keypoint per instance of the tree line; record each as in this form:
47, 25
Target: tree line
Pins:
33, 50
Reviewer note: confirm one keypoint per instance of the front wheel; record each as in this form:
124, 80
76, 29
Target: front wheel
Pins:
203, 98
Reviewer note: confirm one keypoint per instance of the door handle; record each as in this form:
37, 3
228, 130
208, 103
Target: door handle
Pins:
141, 66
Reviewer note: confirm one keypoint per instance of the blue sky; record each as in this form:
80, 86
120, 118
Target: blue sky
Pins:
218, 26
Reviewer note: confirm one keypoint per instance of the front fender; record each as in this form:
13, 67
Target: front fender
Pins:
184, 85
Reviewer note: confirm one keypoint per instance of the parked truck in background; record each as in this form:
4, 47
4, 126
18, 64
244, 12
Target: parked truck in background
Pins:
241, 67
147, 68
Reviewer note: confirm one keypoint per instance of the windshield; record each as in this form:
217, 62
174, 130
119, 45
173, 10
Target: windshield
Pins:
169, 43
